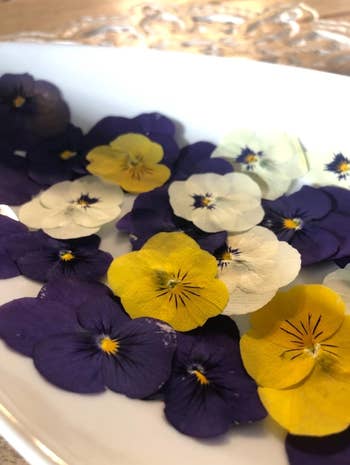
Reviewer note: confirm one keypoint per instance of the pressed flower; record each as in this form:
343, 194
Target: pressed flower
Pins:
10, 229
131, 161
41, 258
272, 158
330, 450
155, 126
152, 213
57, 158
91, 348
308, 221
72, 209
209, 390
254, 265
171, 279
30, 108
298, 352
339, 281
196, 158
216, 202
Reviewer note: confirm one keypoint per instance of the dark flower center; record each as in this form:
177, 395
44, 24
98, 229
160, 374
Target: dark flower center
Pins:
109, 346
18, 101
66, 255
292, 223
203, 201
67, 155
176, 286
340, 166
225, 255
249, 158
199, 373
85, 200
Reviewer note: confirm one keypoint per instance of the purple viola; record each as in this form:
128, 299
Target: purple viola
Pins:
157, 127
305, 219
58, 158
195, 159
89, 348
9, 230
41, 258
152, 214
30, 109
209, 390
328, 450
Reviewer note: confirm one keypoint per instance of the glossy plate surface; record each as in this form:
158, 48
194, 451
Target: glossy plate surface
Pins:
207, 96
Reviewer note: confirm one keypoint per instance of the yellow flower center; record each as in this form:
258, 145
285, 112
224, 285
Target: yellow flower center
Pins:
109, 346
67, 154
66, 255
307, 338
135, 166
201, 378
250, 158
292, 223
177, 287
343, 167
18, 101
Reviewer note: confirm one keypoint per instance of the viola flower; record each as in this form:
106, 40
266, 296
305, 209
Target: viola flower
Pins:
273, 159
329, 167
171, 279
209, 390
42, 258
15, 185
330, 450
58, 158
89, 349
339, 281
152, 213
306, 221
213, 202
30, 108
196, 158
298, 352
72, 209
130, 161
254, 265
10, 229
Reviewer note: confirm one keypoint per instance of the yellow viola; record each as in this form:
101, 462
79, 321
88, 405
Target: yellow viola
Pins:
171, 278
298, 352
131, 161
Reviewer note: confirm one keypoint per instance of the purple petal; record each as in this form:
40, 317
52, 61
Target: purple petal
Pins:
24, 322
155, 123
15, 186
9, 226
314, 244
143, 362
338, 225
108, 129
8, 268
71, 361
328, 450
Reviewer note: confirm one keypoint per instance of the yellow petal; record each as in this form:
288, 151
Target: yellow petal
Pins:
319, 406
139, 145
280, 349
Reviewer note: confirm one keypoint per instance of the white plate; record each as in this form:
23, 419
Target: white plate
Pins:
208, 96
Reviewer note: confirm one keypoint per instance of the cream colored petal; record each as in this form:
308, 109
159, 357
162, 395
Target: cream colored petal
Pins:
32, 213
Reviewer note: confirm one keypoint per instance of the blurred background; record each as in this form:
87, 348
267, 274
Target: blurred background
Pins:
314, 34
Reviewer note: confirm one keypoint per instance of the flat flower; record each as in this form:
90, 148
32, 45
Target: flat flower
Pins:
209, 391
306, 220
72, 209
42, 258
10, 229
330, 450
57, 158
298, 352
171, 279
30, 108
273, 159
254, 265
131, 161
214, 202
196, 158
152, 213
91, 348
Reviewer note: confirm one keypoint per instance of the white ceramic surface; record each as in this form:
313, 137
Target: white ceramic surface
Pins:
208, 96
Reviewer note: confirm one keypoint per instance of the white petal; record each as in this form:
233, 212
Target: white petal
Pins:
95, 215
242, 184
57, 195
56, 218
95, 187
288, 263
242, 302
32, 213
339, 281
180, 200
71, 231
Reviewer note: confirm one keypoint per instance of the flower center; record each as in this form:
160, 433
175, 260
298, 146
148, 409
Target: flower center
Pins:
344, 167
226, 255
292, 223
198, 372
67, 154
18, 101
66, 255
307, 337
85, 200
204, 201
176, 287
135, 166
249, 158
109, 346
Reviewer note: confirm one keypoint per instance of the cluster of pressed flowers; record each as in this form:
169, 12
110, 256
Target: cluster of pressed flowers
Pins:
215, 232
